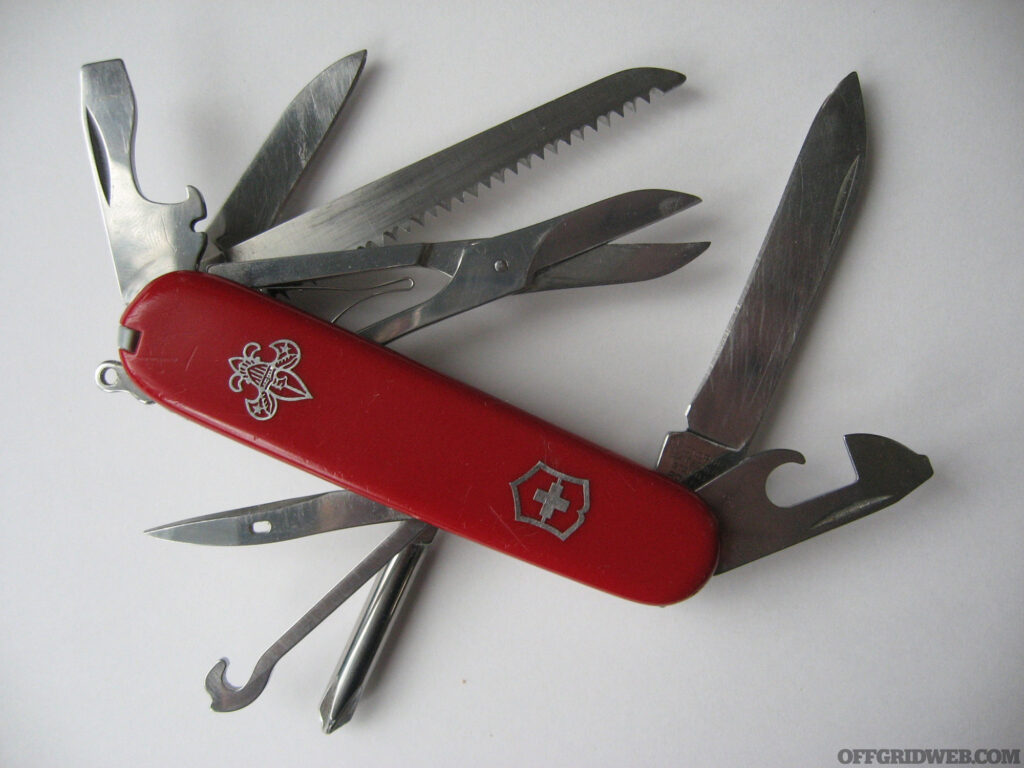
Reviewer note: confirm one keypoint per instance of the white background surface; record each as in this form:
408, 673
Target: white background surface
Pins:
903, 630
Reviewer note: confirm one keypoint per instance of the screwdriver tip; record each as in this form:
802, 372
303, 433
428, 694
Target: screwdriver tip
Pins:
331, 718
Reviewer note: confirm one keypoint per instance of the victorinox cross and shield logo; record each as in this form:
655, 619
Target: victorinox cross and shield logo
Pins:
551, 500
272, 380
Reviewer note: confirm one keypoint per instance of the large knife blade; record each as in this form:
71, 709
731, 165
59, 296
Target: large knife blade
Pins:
381, 207
797, 251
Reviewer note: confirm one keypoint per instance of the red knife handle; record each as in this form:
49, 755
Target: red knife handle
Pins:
368, 419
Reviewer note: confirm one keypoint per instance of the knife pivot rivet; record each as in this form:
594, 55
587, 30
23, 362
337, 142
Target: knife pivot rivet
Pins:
501, 266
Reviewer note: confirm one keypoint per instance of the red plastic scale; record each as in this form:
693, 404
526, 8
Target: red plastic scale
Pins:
372, 421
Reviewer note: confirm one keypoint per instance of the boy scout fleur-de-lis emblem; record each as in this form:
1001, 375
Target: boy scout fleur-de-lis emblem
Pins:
272, 380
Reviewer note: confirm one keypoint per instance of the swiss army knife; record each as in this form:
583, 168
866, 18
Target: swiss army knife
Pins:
238, 328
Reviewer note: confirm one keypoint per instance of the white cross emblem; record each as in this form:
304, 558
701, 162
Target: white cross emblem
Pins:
561, 501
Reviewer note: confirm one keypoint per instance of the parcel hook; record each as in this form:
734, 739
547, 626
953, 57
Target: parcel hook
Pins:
227, 698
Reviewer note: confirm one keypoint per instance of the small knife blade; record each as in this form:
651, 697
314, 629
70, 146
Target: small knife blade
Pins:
796, 253
254, 204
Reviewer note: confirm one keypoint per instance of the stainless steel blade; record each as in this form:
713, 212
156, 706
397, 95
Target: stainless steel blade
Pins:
254, 205
379, 208
796, 253
279, 520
